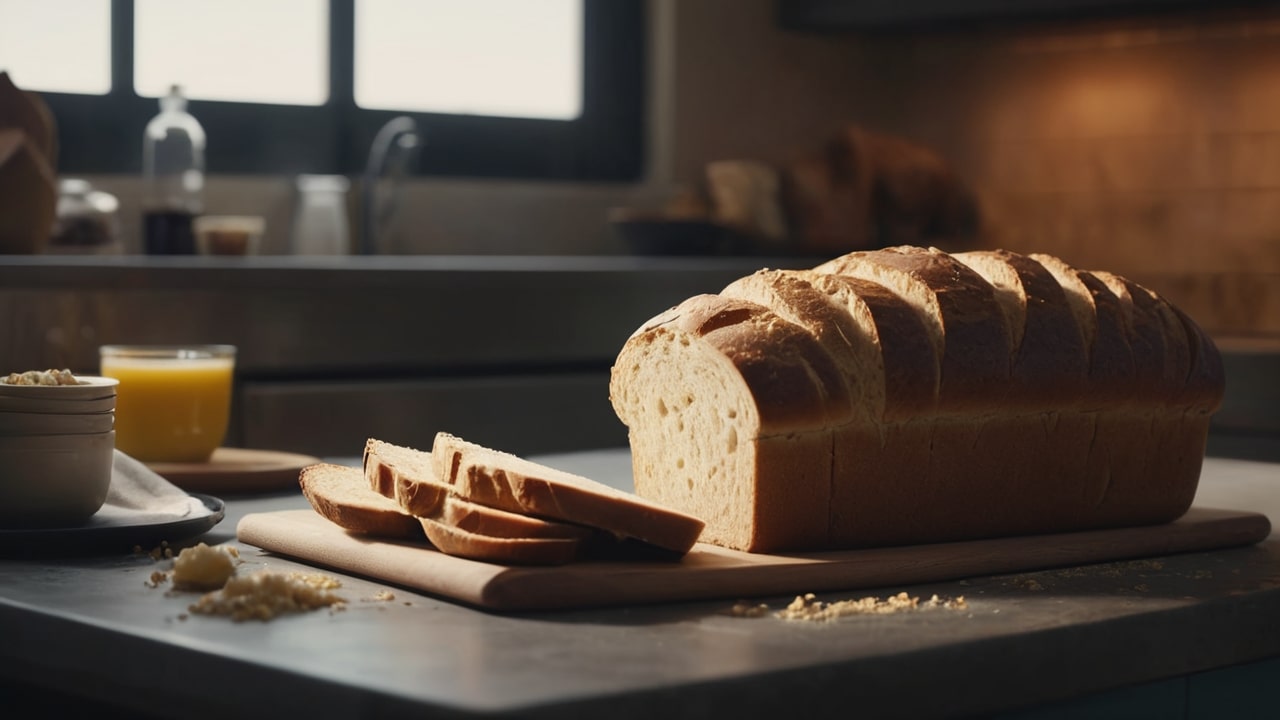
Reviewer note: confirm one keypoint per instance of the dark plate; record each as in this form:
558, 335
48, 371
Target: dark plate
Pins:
113, 538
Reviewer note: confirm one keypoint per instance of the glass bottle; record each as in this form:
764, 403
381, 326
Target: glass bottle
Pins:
173, 172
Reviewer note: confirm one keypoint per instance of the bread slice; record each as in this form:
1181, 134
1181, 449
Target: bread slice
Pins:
341, 495
967, 323
404, 475
507, 551
483, 520
1050, 365
407, 476
1100, 316
505, 481
788, 294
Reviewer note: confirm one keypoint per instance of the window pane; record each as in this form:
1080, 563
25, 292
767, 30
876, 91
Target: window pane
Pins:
511, 58
57, 45
233, 50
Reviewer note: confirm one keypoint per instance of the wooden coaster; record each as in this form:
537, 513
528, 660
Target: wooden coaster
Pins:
237, 470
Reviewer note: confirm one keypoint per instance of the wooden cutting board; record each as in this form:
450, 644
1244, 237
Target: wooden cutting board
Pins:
237, 471
713, 573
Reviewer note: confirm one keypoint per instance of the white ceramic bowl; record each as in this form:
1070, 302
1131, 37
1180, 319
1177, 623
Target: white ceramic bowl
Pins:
54, 480
34, 423
90, 387
56, 406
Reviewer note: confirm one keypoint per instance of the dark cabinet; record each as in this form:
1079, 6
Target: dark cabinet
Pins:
835, 15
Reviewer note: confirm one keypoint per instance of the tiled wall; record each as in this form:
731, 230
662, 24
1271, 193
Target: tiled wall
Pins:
1145, 146
1149, 147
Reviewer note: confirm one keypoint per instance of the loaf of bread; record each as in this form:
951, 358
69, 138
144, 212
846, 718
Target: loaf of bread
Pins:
907, 395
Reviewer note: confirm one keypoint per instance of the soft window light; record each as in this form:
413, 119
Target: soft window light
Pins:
233, 50
507, 58
57, 45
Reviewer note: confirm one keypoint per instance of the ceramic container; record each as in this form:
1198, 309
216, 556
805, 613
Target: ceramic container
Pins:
52, 481
14, 424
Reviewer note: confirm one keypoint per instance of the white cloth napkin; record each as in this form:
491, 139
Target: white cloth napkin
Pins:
138, 495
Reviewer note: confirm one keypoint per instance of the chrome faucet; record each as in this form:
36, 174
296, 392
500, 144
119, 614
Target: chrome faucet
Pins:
393, 149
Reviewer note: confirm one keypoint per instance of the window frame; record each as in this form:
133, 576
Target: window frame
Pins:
605, 143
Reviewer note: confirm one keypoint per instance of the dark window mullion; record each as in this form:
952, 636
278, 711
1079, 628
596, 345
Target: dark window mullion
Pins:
122, 48
342, 73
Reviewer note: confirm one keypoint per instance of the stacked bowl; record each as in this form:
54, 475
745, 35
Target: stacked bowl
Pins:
57, 445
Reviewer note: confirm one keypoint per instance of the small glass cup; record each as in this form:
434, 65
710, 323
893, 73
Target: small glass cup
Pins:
228, 234
173, 403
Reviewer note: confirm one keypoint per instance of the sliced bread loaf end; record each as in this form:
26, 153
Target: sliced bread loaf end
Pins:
507, 551
502, 480
341, 495
407, 475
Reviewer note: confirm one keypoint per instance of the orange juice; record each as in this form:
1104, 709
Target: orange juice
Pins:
172, 404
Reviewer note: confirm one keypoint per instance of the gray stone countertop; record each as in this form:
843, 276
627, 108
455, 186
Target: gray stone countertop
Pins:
91, 626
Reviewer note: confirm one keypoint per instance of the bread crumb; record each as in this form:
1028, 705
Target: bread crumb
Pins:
746, 609
260, 596
808, 607
316, 580
160, 552
265, 595
384, 596
202, 567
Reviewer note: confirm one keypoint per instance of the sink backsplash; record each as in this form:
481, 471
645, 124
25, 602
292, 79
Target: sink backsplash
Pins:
433, 216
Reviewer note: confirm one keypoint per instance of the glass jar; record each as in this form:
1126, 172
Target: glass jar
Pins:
87, 220
321, 225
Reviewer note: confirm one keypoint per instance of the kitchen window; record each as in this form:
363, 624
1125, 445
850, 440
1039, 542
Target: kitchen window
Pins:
544, 89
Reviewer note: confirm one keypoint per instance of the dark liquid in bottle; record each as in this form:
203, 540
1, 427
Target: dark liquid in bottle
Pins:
168, 232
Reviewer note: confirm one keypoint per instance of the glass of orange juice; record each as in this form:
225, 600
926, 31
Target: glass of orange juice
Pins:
173, 402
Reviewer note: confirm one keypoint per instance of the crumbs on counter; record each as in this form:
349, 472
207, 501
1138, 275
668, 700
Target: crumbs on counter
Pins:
262, 595
808, 607
159, 552
41, 377
316, 580
749, 610
1110, 569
